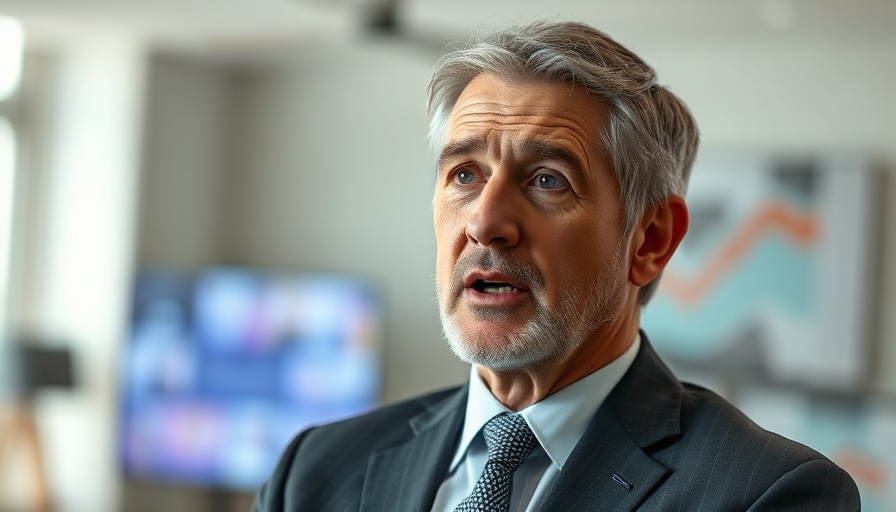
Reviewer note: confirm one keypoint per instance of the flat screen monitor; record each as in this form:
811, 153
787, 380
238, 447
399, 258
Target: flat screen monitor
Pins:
222, 367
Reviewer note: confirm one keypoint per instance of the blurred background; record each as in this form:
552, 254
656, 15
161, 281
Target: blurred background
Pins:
215, 229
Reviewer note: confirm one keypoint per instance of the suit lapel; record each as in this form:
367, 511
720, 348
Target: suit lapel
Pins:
587, 478
407, 476
610, 468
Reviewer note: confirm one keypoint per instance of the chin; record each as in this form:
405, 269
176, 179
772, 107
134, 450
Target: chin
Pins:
528, 348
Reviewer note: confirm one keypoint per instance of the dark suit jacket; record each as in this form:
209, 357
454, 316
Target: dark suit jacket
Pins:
674, 446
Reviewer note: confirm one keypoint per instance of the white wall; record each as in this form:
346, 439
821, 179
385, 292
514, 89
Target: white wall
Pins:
81, 272
185, 153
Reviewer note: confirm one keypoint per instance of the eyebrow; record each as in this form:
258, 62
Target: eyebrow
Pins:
463, 146
553, 152
475, 144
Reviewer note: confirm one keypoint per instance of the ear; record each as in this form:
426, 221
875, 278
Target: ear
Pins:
655, 239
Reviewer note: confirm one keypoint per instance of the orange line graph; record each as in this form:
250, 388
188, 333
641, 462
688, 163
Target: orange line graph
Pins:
800, 228
866, 472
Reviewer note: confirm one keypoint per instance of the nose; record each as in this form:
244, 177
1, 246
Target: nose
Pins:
494, 220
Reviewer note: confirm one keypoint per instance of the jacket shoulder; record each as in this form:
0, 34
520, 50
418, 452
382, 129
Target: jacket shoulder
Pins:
724, 458
707, 416
382, 426
327, 463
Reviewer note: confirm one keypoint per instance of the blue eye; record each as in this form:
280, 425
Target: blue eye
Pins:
465, 177
548, 182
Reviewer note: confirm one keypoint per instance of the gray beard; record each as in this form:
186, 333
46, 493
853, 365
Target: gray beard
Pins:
547, 337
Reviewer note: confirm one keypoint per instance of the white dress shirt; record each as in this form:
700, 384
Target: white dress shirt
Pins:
558, 423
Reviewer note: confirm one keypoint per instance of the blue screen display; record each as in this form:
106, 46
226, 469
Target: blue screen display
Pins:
224, 366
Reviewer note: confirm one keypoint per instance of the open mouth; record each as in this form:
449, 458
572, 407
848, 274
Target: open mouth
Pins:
481, 285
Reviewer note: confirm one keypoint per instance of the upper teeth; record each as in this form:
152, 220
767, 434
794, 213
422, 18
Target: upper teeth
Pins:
496, 287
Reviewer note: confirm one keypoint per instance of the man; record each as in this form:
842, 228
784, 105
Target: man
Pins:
561, 170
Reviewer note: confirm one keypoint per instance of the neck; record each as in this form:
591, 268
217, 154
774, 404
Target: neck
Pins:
518, 389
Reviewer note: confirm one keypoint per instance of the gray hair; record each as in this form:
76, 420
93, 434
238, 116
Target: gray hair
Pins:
651, 137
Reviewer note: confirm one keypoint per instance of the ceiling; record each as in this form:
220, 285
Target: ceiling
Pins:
222, 26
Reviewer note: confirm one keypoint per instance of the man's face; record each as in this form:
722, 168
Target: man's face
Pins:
531, 261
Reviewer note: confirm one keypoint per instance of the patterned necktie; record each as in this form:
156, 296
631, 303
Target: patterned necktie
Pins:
510, 441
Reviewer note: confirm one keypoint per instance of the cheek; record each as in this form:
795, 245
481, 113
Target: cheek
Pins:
570, 258
449, 234
449, 229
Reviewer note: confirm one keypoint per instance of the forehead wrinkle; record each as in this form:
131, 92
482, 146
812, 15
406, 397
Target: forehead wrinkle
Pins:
548, 130
520, 145
570, 145
533, 122
497, 112
477, 143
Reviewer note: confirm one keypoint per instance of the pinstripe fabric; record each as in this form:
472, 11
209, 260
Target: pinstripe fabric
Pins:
655, 444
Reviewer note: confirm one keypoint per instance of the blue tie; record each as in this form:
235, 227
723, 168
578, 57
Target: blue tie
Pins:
510, 441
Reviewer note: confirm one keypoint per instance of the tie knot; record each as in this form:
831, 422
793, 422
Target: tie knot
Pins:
509, 440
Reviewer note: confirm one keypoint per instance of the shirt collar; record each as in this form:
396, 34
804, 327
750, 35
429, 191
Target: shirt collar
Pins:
559, 420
